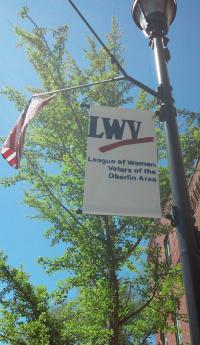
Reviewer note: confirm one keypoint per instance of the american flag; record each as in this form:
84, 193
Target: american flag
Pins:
13, 146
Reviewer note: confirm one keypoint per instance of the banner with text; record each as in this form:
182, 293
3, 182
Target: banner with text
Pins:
121, 170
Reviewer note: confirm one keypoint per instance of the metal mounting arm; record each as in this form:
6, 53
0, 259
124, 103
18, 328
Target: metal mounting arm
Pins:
113, 58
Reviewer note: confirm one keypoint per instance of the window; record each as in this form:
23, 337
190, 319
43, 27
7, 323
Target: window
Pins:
167, 251
163, 338
179, 335
195, 197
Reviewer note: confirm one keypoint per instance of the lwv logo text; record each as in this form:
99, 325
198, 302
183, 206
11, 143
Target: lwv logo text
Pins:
115, 129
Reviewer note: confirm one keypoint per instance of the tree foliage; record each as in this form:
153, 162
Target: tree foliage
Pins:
124, 294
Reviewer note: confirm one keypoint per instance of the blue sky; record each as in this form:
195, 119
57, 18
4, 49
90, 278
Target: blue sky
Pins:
20, 237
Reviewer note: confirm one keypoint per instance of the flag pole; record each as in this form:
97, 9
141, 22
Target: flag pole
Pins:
80, 86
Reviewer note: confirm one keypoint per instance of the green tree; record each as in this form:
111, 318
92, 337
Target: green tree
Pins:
26, 316
122, 297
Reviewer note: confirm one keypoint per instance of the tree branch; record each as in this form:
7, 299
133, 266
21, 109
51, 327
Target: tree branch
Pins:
53, 196
146, 338
7, 338
135, 245
66, 96
128, 297
126, 318
23, 293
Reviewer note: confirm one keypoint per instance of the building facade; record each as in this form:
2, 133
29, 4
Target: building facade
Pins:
170, 253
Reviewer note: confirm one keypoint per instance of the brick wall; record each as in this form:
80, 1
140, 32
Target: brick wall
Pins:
194, 191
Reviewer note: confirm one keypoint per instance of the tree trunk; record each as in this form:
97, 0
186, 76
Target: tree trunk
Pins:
113, 283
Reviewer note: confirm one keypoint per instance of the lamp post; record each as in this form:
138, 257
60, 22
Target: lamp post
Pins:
154, 17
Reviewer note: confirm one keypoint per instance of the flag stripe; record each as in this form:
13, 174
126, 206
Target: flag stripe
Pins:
13, 162
4, 149
13, 155
13, 146
7, 153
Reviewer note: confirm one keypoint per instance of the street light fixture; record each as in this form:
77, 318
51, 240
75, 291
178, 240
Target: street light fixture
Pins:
154, 17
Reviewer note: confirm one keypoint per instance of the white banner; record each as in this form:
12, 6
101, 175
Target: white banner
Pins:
121, 171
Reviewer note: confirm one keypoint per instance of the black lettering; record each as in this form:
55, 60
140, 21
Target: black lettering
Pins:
93, 128
134, 127
114, 129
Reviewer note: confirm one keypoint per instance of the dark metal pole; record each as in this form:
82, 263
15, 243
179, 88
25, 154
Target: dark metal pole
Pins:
185, 222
